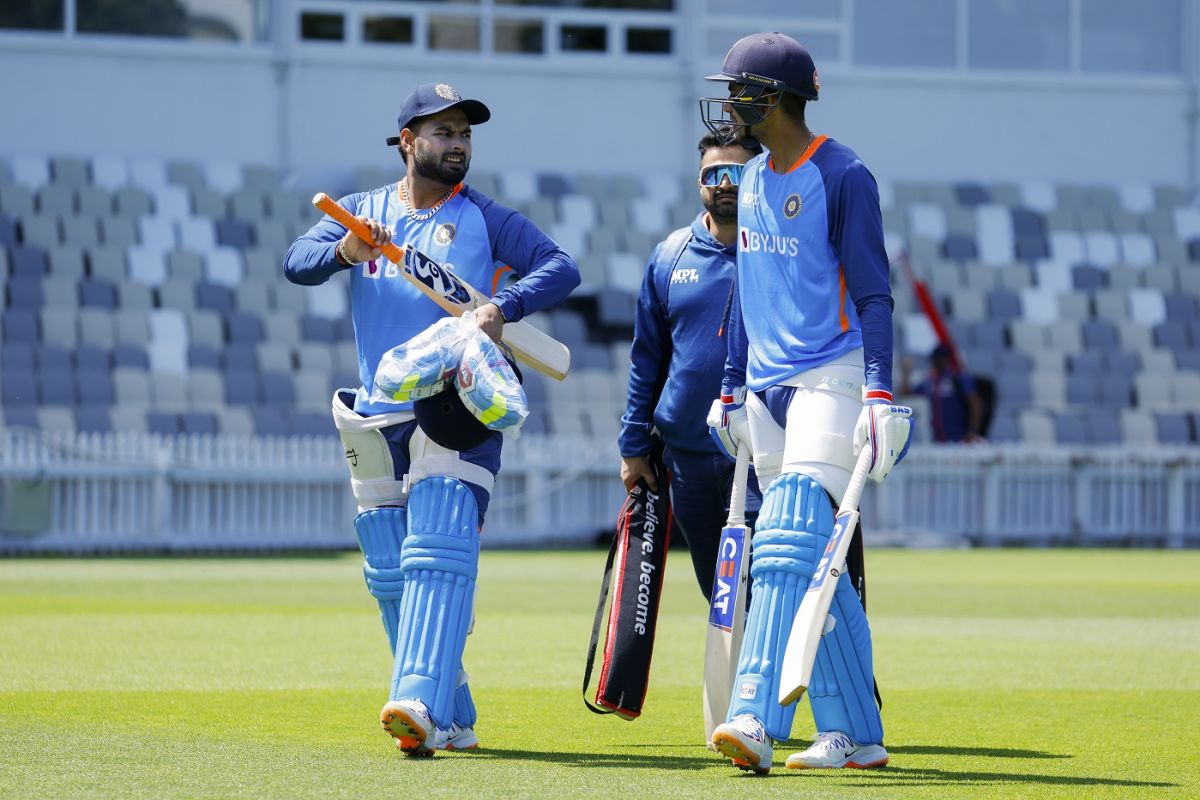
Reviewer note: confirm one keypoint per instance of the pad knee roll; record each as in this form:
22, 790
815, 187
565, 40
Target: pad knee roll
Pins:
439, 562
795, 520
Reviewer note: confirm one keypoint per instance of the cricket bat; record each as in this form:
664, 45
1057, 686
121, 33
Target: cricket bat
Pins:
727, 612
535, 348
810, 621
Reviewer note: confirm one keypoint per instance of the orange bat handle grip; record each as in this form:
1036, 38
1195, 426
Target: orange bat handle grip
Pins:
352, 223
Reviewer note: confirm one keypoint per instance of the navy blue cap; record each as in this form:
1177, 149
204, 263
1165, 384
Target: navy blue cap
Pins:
430, 98
774, 56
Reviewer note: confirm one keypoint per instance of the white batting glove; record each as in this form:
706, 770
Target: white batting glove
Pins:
728, 424
886, 429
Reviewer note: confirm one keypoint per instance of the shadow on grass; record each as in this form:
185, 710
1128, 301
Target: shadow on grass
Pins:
917, 776
982, 752
889, 777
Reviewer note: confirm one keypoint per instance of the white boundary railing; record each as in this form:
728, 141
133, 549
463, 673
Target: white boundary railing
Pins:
135, 492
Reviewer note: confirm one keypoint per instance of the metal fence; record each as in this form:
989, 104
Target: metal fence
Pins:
145, 493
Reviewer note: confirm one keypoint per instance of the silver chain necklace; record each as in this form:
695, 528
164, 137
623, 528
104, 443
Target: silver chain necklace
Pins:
421, 216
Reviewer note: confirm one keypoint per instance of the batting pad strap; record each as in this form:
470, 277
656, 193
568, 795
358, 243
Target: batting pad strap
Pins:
841, 690
439, 561
787, 543
451, 466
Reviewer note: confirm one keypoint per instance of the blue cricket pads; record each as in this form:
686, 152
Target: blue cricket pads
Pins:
380, 532
439, 562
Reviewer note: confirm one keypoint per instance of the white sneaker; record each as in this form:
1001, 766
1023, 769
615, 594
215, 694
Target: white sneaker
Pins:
745, 741
836, 750
458, 737
411, 725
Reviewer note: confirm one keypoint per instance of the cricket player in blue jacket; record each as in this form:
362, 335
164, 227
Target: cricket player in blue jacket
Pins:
678, 355
808, 383
422, 504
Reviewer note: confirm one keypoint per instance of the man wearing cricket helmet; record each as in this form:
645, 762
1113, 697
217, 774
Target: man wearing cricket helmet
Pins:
422, 493
807, 384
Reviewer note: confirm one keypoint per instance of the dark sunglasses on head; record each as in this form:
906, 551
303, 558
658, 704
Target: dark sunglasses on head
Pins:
713, 174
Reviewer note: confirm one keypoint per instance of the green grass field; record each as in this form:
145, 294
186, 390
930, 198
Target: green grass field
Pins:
1029, 674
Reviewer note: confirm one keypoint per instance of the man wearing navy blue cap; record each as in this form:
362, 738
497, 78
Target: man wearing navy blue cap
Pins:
422, 501
808, 384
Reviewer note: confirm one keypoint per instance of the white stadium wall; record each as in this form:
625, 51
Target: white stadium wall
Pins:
330, 110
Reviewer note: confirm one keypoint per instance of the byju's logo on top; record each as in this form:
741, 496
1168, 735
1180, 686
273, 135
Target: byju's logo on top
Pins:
773, 243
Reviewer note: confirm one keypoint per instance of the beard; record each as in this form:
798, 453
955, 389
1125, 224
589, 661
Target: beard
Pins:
722, 211
435, 168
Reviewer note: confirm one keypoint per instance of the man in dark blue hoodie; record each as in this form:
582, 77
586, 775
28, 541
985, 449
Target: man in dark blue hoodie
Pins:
678, 359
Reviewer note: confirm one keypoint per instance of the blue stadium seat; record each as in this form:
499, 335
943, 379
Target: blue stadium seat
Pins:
241, 387
87, 355
131, 355
8, 231
308, 423
1070, 428
1181, 307
970, 195
272, 422
960, 247
1193, 249
1086, 277
92, 419
1103, 426
982, 362
1119, 362
1193, 327
244, 328
1087, 362
344, 329
25, 293
162, 422
1011, 362
1188, 360
592, 356
27, 261
20, 326
55, 388
201, 356
1083, 389
240, 358
17, 355
19, 385
1004, 427
277, 390
52, 357
1116, 391
234, 233
1099, 334
94, 387
22, 416
990, 334
1172, 335
1013, 391
97, 293
316, 329
615, 308
568, 327
536, 421
1173, 428
199, 422
535, 388
553, 185
214, 298
1027, 222
1031, 247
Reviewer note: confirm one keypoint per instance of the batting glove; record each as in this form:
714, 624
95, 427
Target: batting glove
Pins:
886, 429
728, 424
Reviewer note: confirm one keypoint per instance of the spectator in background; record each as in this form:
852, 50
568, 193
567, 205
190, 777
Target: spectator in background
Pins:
955, 409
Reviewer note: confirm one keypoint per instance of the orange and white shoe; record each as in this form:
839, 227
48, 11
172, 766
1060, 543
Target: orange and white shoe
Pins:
836, 750
411, 725
745, 741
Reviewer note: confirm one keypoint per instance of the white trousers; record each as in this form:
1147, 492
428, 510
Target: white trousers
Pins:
818, 438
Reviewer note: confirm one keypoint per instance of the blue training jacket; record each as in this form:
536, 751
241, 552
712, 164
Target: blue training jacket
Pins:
470, 234
812, 277
678, 353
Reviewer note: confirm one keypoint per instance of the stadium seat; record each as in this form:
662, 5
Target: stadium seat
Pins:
163, 423
1173, 428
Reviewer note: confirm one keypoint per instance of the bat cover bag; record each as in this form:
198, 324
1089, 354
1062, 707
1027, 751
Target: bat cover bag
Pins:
639, 556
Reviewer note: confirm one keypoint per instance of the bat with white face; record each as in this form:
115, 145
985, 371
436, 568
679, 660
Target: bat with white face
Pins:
809, 623
727, 610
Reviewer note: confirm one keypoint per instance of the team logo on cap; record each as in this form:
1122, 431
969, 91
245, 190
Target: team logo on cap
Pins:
444, 234
816, 80
792, 206
447, 92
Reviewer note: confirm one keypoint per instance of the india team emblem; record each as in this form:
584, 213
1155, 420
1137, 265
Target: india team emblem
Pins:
792, 206
444, 234
447, 92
